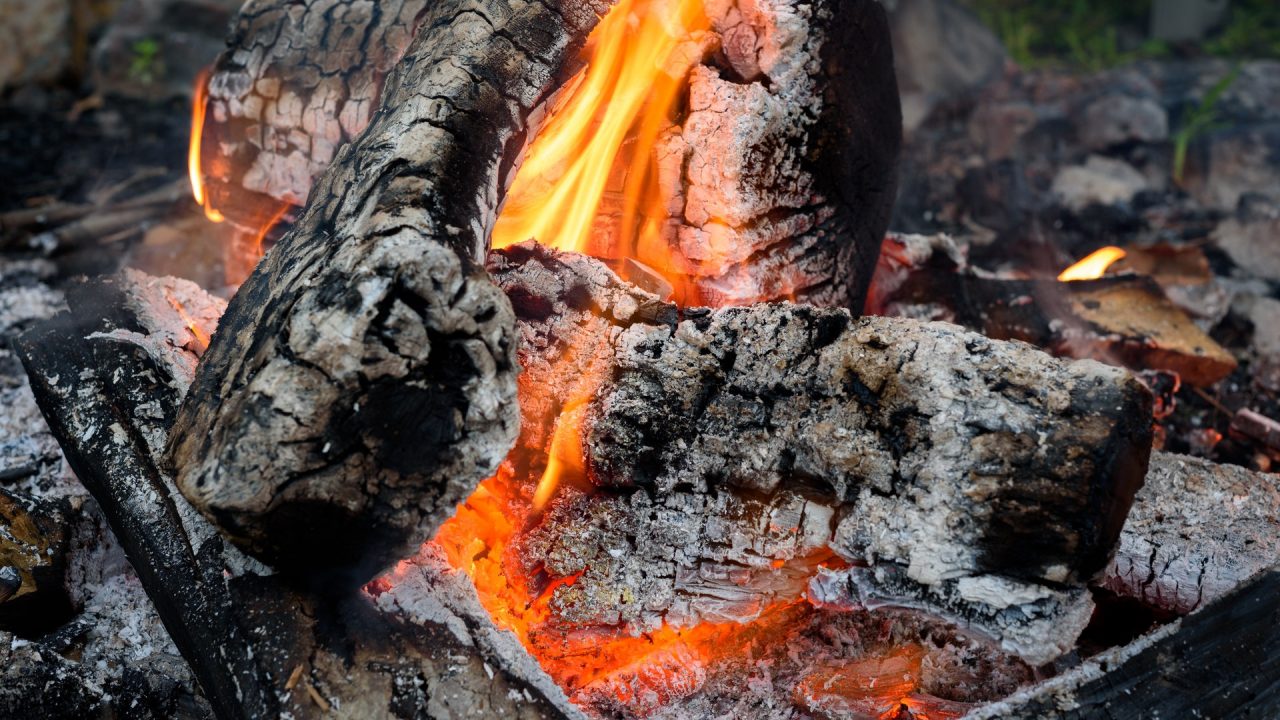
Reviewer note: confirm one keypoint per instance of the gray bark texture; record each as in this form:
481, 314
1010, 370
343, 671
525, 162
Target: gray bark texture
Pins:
1197, 531
363, 379
978, 479
298, 81
108, 377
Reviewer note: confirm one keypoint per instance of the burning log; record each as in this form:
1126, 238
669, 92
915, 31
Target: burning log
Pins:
776, 179
364, 378
1197, 532
108, 377
1124, 319
966, 472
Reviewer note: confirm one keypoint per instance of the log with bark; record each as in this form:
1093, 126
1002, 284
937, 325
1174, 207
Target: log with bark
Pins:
976, 479
1197, 531
363, 380
108, 377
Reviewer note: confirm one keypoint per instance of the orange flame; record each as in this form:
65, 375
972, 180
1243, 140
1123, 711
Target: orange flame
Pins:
1094, 265
639, 61
199, 107
589, 184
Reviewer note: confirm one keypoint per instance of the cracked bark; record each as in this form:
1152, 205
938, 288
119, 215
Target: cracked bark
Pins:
363, 379
976, 479
108, 377
297, 82
1197, 531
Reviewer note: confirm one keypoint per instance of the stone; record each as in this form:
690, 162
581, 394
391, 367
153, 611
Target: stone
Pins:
1100, 180
1115, 119
1251, 237
941, 49
35, 40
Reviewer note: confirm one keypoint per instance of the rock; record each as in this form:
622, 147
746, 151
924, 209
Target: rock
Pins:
35, 40
941, 49
1233, 162
1251, 237
1101, 180
1183, 20
1116, 118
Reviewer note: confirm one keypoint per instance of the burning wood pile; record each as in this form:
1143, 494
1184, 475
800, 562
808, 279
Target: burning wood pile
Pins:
546, 394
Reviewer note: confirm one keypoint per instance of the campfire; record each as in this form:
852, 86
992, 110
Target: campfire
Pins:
570, 369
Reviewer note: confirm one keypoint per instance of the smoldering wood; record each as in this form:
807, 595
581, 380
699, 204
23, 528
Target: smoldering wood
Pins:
363, 379
34, 538
39, 682
1222, 661
975, 472
109, 376
1197, 532
1124, 318
778, 178
298, 81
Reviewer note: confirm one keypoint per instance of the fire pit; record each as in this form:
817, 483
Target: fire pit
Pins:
544, 389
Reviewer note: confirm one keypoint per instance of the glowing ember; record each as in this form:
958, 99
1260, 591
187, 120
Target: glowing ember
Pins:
201, 337
199, 106
1094, 265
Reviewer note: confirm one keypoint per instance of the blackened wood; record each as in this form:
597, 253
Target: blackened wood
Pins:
1221, 662
363, 379
34, 540
1197, 531
108, 377
1120, 319
988, 479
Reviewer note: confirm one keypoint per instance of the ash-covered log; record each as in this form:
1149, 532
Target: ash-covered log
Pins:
108, 376
363, 379
1197, 531
973, 478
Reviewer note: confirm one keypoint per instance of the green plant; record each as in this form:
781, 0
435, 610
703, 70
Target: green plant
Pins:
1199, 120
145, 66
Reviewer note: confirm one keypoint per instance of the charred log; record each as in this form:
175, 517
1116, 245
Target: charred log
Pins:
34, 536
969, 472
1222, 661
1120, 319
363, 379
1197, 532
108, 378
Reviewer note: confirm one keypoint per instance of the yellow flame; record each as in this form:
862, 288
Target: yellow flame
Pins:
1093, 265
198, 108
627, 93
